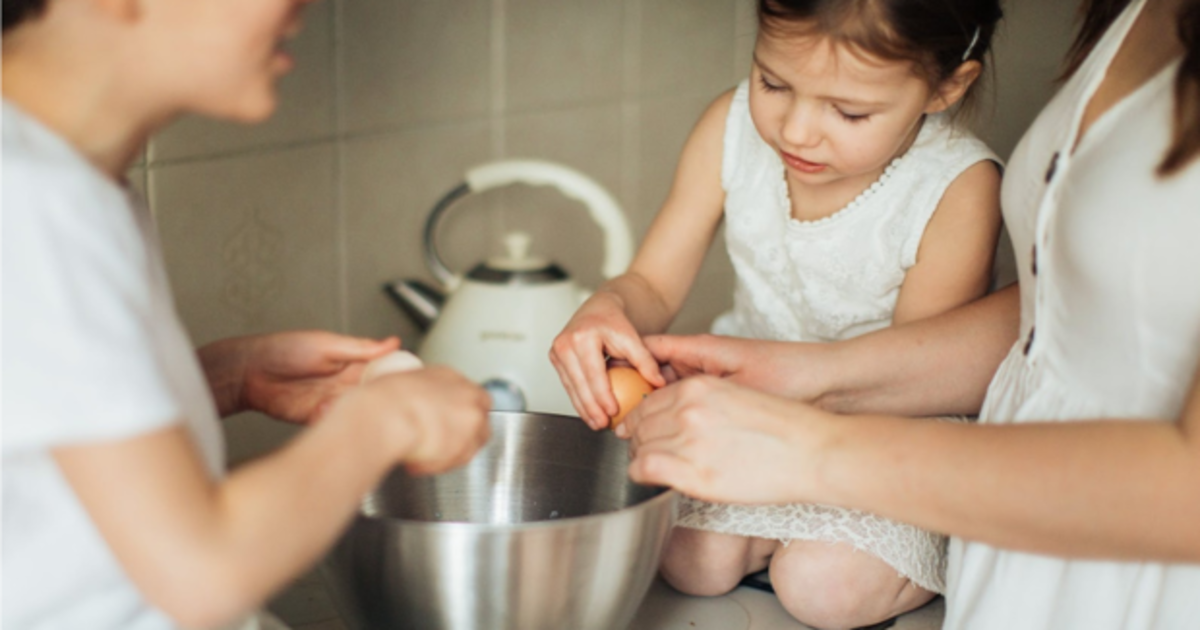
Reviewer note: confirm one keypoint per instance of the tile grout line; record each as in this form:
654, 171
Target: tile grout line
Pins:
499, 95
339, 170
631, 110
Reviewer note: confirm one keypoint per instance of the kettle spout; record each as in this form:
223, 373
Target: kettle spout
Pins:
422, 302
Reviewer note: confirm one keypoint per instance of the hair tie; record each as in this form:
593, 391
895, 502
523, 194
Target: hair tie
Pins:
971, 46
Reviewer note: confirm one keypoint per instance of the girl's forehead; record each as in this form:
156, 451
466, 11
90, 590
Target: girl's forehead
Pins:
815, 57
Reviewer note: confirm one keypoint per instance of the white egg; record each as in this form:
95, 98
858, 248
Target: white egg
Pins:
398, 361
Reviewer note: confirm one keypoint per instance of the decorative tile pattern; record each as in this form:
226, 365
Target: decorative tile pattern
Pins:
250, 242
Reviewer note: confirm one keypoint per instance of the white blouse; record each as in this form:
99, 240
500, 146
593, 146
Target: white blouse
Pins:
1109, 273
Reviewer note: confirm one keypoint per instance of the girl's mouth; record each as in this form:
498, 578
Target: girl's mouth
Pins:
801, 164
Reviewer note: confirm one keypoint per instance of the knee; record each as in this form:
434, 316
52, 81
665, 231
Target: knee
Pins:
831, 593
704, 564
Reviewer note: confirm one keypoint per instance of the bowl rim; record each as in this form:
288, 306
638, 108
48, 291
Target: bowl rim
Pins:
667, 494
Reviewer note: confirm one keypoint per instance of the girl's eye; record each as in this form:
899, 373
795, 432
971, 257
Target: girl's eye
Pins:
768, 86
853, 118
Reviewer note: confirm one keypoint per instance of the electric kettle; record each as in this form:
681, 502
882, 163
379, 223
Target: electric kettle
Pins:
495, 324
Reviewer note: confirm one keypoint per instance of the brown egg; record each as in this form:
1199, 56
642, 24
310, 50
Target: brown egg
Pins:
629, 388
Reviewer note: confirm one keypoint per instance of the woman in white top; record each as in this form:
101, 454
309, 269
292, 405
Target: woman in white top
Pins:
1075, 502
118, 511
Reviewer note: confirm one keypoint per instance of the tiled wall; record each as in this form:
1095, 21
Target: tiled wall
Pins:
298, 222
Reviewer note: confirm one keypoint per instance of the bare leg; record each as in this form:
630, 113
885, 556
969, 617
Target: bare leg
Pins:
834, 586
703, 563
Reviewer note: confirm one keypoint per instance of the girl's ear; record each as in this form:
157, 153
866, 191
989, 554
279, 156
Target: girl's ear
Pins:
954, 87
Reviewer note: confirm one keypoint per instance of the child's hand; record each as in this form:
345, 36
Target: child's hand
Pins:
434, 419
599, 331
293, 376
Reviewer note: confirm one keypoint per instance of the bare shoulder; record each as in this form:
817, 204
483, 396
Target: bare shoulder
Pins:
711, 126
975, 191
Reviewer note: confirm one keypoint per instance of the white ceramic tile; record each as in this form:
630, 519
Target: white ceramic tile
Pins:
1028, 49
391, 182
745, 17
305, 110
250, 241
562, 52
250, 435
687, 46
305, 603
414, 62
585, 139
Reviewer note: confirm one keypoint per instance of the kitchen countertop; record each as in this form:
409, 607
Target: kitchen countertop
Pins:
306, 605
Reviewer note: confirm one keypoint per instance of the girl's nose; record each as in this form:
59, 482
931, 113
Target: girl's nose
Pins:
801, 127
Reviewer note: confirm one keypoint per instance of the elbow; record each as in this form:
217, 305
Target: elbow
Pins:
205, 594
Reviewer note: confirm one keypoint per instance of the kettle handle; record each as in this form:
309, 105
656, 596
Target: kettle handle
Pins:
618, 241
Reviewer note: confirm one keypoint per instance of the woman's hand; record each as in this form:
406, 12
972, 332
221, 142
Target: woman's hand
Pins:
716, 441
599, 331
783, 368
293, 376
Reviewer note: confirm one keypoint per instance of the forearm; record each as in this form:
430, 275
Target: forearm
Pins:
644, 305
939, 365
207, 552
224, 366
276, 516
1104, 489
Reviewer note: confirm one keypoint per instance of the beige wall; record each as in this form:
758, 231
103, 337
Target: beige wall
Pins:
298, 222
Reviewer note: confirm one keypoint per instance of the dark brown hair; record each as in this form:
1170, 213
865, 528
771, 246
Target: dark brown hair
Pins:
17, 11
1097, 16
933, 34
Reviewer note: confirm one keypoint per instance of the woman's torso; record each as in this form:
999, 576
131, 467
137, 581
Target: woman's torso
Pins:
1110, 328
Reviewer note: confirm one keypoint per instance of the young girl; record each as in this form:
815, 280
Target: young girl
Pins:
118, 513
851, 201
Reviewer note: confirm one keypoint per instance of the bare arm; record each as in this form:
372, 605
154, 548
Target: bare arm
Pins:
292, 376
1113, 489
954, 261
938, 365
648, 296
206, 552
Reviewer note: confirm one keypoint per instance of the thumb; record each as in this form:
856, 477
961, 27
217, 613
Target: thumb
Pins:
654, 467
352, 349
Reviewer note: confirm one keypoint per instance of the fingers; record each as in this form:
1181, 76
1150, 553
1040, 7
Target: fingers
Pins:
355, 349
661, 467
579, 358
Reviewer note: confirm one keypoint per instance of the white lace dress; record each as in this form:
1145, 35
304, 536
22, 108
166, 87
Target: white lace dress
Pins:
828, 280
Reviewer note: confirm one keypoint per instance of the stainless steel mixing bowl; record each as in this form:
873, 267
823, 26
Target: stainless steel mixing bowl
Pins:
542, 530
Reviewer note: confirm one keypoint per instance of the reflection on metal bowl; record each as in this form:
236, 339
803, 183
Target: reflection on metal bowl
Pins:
542, 530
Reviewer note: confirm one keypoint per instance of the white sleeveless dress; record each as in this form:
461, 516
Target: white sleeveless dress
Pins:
1108, 268
828, 280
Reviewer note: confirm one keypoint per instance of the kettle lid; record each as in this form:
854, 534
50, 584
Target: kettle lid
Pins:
516, 266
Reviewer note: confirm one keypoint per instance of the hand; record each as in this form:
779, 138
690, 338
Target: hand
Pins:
716, 441
438, 418
783, 368
598, 330
292, 376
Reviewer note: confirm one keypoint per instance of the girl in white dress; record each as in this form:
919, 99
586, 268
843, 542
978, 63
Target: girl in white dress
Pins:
851, 201
1075, 501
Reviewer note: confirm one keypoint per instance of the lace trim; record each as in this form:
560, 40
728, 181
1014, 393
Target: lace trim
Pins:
847, 210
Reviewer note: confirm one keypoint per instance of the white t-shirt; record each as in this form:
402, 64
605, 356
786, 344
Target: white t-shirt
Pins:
93, 352
1110, 328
